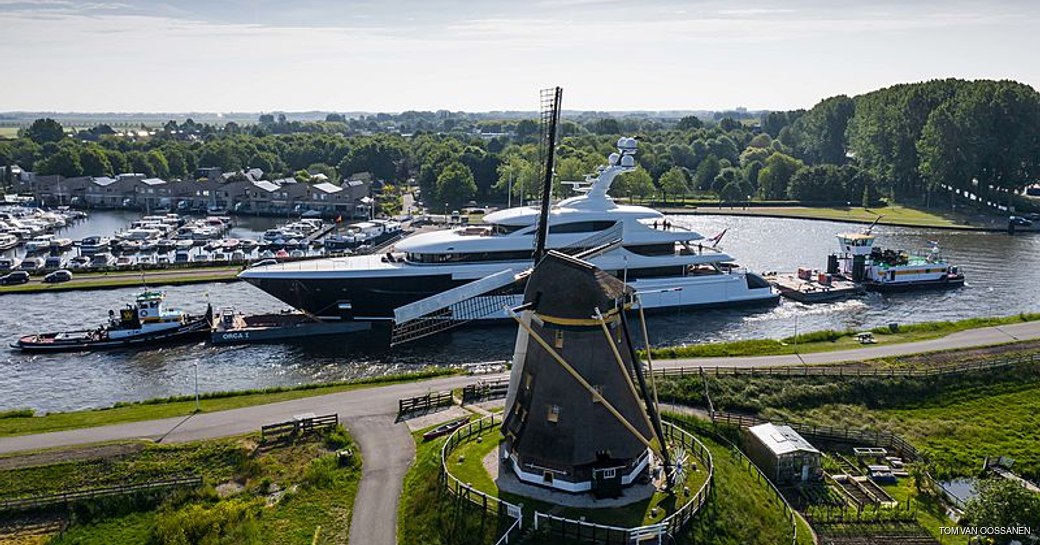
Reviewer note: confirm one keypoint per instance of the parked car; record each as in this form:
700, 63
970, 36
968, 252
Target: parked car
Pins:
1019, 221
57, 277
1032, 216
14, 278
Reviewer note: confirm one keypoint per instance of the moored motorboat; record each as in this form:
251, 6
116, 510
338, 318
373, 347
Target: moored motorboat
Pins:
885, 270
146, 323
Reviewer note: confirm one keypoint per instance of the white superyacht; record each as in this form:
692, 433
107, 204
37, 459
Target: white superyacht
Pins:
668, 264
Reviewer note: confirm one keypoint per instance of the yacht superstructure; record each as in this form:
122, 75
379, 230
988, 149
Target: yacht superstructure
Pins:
668, 264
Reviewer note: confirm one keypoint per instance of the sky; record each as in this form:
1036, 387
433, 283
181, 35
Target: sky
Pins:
483, 55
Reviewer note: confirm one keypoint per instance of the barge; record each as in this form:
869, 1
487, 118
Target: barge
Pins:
233, 327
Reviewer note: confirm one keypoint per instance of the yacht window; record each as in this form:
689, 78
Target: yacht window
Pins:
652, 249
581, 227
501, 229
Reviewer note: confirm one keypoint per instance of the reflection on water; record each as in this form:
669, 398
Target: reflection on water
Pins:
1002, 271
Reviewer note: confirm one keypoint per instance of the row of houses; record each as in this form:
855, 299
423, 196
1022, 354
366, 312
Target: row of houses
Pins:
243, 192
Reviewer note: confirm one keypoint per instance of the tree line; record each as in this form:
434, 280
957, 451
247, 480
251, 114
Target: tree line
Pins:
904, 142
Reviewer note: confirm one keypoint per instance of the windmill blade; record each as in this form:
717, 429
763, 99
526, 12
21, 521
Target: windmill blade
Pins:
451, 308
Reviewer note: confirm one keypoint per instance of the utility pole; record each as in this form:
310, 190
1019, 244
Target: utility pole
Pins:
197, 408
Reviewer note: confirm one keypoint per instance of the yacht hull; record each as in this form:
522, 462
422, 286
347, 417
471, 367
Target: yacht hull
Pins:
375, 298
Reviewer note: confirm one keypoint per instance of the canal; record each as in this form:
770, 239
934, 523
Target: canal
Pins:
1003, 274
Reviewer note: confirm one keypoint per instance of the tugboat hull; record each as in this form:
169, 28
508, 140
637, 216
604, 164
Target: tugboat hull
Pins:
947, 282
85, 340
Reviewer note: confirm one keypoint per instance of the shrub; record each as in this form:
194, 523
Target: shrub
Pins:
226, 522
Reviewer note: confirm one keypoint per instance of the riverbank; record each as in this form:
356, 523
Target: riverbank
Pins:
99, 281
831, 340
894, 215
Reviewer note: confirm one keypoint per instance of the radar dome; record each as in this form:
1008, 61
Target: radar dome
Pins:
630, 143
613, 158
621, 142
628, 161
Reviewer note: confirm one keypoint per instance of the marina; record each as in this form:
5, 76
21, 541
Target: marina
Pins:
78, 380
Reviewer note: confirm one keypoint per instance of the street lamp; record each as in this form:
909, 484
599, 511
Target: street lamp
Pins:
197, 408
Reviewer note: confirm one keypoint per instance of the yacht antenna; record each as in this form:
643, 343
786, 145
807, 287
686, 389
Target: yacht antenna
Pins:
551, 99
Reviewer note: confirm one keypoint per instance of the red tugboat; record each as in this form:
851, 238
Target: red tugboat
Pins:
148, 322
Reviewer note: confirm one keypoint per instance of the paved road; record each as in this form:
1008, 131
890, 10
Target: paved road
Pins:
387, 447
962, 339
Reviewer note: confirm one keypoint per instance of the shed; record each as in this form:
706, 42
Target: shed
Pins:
782, 454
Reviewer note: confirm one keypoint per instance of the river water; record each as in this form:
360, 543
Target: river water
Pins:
1003, 274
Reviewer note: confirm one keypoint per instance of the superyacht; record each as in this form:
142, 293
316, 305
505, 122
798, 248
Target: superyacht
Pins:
668, 264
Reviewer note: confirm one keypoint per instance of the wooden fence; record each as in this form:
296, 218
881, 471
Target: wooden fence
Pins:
423, 403
463, 491
485, 390
298, 426
867, 437
29, 503
845, 371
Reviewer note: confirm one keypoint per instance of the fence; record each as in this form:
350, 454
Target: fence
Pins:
844, 371
461, 490
581, 530
423, 403
65, 498
484, 390
299, 425
868, 437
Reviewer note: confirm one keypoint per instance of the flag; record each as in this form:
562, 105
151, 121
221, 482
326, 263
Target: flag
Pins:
717, 237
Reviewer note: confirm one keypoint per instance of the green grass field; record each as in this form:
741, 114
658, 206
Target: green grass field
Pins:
742, 511
314, 508
22, 422
8, 132
102, 281
831, 340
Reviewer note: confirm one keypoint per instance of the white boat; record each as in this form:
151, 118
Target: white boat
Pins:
94, 244
41, 243
8, 242
8, 264
102, 260
668, 264
31, 264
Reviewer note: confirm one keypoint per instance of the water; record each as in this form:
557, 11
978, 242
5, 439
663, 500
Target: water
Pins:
1002, 273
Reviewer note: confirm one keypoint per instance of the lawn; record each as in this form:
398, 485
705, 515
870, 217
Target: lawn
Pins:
99, 281
288, 494
930, 513
742, 511
892, 214
832, 340
21, 422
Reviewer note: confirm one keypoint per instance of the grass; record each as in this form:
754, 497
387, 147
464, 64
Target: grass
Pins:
100, 282
893, 214
957, 420
22, 422
286, 493
930, 513
832, 340
742, 511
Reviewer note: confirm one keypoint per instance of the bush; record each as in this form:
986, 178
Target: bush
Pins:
226, 522
321, 472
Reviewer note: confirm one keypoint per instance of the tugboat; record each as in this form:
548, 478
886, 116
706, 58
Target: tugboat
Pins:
886, 270
146, 323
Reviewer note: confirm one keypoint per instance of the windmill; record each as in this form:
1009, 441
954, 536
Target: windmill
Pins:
580, 416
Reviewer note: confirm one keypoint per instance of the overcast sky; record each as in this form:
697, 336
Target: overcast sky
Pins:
478, 55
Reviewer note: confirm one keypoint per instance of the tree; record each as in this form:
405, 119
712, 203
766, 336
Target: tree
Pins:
336, 118
455, 185
64, 162
520, 173
729, 124
45, 130
607, 125
706, 172
822, 130
1003, 504
673, 182
157, 164
775, 176
635, 183
95, 162
820, 183
689, 123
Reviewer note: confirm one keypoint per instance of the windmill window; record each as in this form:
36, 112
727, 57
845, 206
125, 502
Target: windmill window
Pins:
559, 338
609, 473
554, 413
